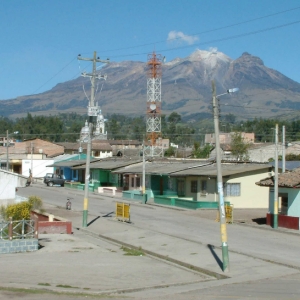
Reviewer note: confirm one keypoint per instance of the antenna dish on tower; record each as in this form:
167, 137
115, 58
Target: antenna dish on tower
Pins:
152, 106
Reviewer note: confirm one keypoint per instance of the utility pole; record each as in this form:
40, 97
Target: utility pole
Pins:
144, 176
7, 144
31, 171
283, 149
220, 183
92, 114
275, 216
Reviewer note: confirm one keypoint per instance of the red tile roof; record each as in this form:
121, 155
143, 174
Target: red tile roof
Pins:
287, 179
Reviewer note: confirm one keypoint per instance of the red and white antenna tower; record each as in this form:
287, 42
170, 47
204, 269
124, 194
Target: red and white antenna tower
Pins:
153, 118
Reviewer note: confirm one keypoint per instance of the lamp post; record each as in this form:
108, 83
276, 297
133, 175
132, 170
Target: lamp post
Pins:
219, 177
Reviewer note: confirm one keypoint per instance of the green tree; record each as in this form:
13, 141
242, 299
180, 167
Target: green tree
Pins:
174, 117
199, 152
239, 148
170, 152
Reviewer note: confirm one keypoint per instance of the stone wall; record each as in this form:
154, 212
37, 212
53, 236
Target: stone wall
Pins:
20, 245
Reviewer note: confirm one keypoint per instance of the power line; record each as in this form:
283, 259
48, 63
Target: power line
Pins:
199, 44
55, 75
208, 31
219, 40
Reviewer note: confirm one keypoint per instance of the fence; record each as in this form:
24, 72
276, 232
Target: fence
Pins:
24, 229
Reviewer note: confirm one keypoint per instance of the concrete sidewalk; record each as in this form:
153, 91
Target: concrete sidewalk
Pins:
94, 261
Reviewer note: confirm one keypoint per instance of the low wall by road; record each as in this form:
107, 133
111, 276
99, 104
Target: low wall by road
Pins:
187, 203
48, 223
284, 221
20, 245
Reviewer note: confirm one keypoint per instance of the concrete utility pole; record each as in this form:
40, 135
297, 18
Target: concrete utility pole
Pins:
7, 144
92, 114
283, 149
220, 184
275, 216
219, 176
144, 174
31, 171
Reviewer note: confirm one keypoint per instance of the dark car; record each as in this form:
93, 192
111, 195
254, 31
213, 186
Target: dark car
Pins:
54, 179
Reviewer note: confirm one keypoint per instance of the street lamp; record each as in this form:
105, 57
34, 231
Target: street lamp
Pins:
219, 177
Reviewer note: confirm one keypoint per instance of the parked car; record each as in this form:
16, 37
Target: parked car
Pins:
54, 179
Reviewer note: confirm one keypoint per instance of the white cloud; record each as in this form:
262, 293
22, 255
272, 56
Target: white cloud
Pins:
180, 37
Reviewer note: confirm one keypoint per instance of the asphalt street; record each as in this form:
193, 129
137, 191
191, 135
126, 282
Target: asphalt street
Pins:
181, 255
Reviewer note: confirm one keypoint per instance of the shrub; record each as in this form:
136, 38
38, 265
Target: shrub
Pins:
21, 210
35, 202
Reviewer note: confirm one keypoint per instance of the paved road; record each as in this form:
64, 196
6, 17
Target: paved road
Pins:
178, 244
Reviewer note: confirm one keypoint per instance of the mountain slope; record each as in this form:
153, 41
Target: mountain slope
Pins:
186, 88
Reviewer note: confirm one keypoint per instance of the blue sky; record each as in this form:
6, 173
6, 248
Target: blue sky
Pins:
40, 39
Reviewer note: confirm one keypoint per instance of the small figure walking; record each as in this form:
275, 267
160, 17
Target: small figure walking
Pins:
29, 179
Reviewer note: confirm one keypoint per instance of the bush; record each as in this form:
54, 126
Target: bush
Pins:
20, 211
35, 202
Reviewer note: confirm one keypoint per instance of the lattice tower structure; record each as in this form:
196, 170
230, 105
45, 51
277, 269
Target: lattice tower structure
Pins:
153, 118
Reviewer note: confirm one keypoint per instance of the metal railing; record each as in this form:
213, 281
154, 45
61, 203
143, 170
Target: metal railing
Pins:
22, 229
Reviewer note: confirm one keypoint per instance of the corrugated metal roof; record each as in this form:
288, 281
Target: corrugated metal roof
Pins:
161, 167
227, 169
189, 168
289, 165
287, 179
68, 163
110, 163
96, 145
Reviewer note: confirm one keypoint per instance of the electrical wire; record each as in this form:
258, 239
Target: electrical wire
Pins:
208, 31
216, 40
199, 44
54, 75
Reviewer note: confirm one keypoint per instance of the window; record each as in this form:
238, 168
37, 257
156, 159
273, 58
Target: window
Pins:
203, 186
74, 174
180, 187
232, 189
138, 181
194, 186
132, 181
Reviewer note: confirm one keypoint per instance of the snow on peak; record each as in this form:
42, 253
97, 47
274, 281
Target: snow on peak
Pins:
209, 56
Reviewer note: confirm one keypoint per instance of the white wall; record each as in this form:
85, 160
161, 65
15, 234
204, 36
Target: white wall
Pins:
252, 195
210, 194
8, 183
39, 167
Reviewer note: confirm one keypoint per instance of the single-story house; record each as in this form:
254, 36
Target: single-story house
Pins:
197, 180
288, 198
99, 148
29, 150
101, 171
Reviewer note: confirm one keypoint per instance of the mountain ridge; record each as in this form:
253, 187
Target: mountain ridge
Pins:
186, 88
